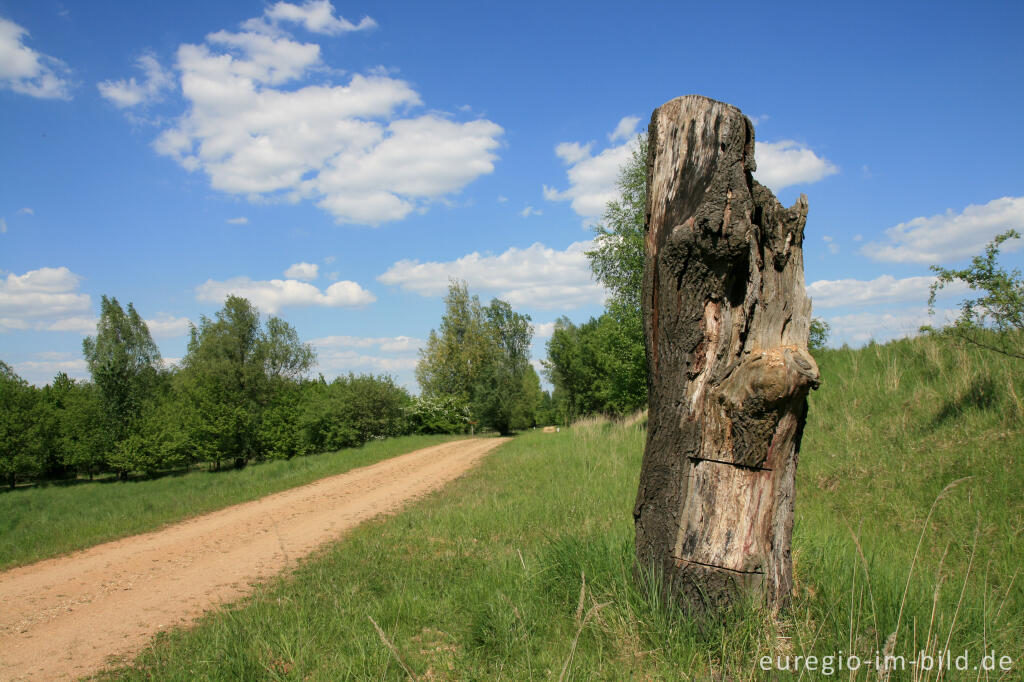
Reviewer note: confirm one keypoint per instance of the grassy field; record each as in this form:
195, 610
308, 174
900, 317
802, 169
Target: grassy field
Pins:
910, 513
41, 522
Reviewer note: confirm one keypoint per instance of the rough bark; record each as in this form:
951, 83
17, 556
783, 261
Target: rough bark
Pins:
726, 322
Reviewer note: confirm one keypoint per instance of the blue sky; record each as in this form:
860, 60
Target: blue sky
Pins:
338, 163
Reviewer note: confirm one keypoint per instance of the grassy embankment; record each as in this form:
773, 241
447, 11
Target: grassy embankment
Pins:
522, 569
44, 521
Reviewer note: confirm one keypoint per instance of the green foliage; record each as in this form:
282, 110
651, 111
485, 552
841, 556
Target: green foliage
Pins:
617, 258
819, 333
480, 356
85, 440
20, 406
352, 410
502, 397
123, 360
438, 414
995, 320
596, 367
455, 354
240, 397
231, 370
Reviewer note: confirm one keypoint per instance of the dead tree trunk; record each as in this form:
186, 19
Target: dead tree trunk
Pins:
725, 327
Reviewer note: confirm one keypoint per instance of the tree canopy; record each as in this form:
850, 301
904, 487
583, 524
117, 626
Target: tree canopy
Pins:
995, 319
480, 356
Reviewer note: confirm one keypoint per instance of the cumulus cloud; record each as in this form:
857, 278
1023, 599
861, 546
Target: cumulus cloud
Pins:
317, 16
529, 211
625, 130
272, 295
784, 163
836, 293
262, 122
44, 366
80, 325
241, 220
543, 330
26, 211
307, 272
341, 361
387, 344
949, 236
126, 93
859, 328
42, 293
26, 71
536, 276
592, 177
388, 354
168, 326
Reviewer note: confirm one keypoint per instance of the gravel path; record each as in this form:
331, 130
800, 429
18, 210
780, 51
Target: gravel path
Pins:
67, 617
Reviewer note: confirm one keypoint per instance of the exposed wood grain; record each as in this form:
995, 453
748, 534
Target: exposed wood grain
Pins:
726, 322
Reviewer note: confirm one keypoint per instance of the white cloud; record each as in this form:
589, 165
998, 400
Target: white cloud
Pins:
26, 211
625, 130
26, 71
130, 93
784, 163
536, 276
386, 344
12, 323
41, 370
544, 330
502, 199
885, 289
168, 326
316, 16
241, 220
592, 178
949, 236
859, 328
307, 272
42, 293
80, 324
529, 211
341, 361
340, 354
353, 149
272, 295
3, 226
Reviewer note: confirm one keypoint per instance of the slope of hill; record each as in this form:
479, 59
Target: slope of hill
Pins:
910, 513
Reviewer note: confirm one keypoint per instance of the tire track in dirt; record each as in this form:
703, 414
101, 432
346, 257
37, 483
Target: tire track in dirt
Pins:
66, 617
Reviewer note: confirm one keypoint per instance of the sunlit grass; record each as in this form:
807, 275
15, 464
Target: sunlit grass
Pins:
523, 568
45, 521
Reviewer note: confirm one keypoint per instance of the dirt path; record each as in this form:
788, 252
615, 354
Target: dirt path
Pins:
63, 618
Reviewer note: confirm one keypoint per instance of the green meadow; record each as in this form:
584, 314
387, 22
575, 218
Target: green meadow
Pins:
909, 518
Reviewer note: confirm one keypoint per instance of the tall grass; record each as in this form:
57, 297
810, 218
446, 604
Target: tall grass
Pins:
47, 520
910, 512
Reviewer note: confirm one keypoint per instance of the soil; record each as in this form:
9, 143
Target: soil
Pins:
72, 616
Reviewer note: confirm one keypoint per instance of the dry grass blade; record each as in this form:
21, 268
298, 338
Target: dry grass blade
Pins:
394, 651
963, 589
867, 578
941, 496
581, 622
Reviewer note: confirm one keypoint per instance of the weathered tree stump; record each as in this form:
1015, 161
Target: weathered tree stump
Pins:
726, 322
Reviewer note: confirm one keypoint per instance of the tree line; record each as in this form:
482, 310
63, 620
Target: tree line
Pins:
242, 393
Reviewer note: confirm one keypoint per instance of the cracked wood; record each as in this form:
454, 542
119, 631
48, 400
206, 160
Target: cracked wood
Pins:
726, 322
